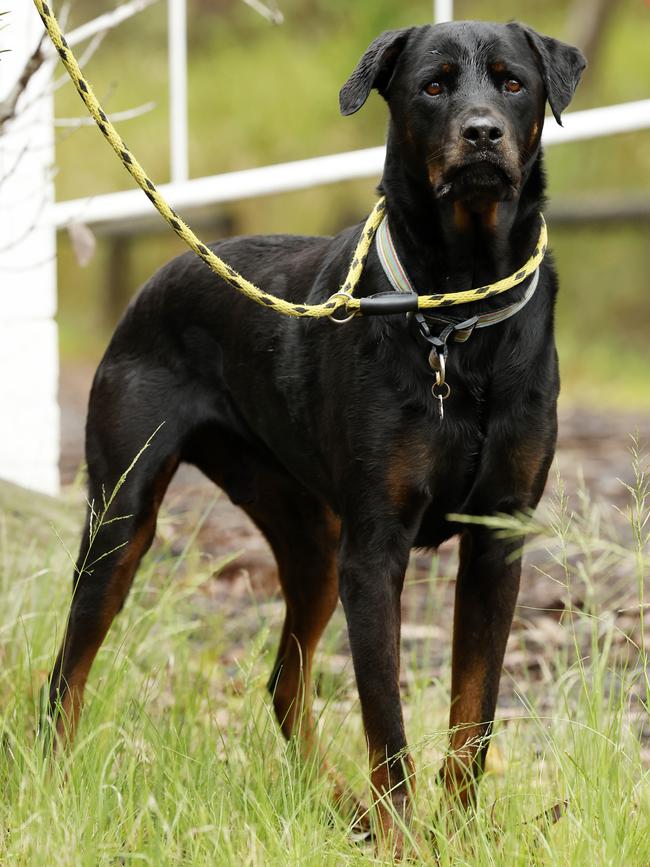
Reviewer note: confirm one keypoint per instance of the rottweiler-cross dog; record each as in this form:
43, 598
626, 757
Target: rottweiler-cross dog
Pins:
329, 436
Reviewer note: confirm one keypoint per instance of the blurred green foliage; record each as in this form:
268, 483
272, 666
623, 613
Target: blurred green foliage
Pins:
261, 94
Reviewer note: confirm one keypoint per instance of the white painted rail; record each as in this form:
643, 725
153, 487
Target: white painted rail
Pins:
443, 10
200, 193
178, 126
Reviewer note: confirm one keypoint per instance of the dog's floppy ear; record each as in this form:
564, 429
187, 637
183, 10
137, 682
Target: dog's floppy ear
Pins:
375, 69
561, 65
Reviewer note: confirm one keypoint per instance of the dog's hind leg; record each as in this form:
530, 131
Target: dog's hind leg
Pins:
305, 549
120, 526
303, 534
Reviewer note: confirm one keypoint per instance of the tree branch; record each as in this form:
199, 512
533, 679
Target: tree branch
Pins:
34, 63
94, 30
271, 13
106, 22
86, 120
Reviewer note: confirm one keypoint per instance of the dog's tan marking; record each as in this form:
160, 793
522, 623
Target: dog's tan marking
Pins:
408, 467
434, 171
527, 461
488, 212
461, 218
490, 215
393, 801
467, 724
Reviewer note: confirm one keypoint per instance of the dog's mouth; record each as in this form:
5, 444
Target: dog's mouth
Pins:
483, 178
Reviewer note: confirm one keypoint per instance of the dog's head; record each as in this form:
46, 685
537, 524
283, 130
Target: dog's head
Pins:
467, 101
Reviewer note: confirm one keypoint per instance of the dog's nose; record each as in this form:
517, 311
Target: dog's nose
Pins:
482, 132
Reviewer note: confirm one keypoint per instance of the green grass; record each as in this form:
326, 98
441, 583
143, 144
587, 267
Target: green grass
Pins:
178, 759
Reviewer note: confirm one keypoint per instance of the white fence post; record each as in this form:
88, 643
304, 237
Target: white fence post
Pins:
29, 415
177, 65
443, 10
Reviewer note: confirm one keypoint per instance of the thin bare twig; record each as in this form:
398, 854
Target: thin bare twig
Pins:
34, 63
12, 168
127, 114
106, 22
33, 224
94, 30
271, 13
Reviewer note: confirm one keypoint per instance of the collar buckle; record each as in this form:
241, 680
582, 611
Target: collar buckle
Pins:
464, 330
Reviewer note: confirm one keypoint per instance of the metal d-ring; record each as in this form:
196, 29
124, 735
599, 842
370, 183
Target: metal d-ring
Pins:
440, 391
444, 393
341, 294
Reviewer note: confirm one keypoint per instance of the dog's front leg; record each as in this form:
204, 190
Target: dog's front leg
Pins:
371, 570
486, 593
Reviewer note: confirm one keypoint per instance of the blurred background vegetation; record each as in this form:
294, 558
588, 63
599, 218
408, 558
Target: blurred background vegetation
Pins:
261, 94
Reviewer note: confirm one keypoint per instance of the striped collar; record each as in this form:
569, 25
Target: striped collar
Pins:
400, 281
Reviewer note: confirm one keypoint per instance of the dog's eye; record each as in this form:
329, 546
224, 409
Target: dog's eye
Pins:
434, 88
512, 85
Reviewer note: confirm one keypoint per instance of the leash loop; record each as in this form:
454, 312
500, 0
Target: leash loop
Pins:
346, 295
441, 391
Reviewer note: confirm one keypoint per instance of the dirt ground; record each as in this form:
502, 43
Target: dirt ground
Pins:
593, 455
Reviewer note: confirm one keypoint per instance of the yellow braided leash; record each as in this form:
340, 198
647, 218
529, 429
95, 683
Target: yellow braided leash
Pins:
341, 298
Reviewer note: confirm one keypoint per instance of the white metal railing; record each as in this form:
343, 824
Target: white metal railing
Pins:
443, 10
131, 208
192, 195
178, 127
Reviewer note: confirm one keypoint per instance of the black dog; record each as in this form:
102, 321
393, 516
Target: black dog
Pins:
328, 436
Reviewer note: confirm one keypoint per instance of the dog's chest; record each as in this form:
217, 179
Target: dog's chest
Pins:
440, 460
